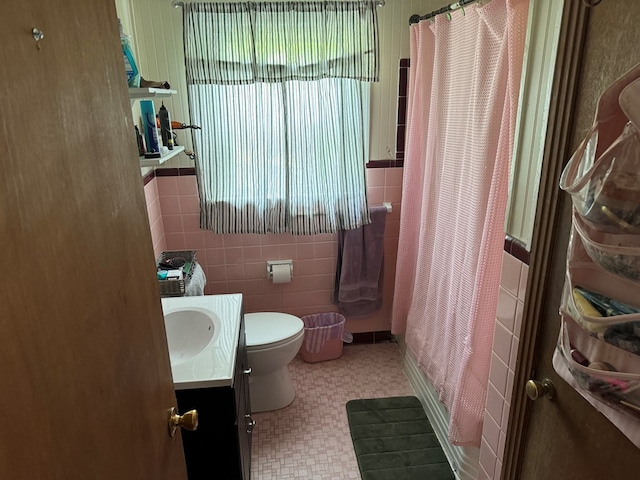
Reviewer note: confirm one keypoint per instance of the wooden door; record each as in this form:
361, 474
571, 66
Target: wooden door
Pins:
566, 438
84, 367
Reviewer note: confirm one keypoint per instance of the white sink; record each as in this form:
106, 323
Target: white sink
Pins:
202, 333
189, 332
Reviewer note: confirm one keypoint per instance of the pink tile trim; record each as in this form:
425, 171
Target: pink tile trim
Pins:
375, 195
172, 224
375, 177
393, 194
491, 433
498, 374
502, 343
175, 241
167, 186
170, 205
522, 290
517, 328
487, 458
511, 269
187, 185
393, 176
495, 403
189, 204
506, 309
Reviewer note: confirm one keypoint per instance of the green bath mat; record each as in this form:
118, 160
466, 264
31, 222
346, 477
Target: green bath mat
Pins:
394, 440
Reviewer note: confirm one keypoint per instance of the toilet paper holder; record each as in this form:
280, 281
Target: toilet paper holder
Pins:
273, 263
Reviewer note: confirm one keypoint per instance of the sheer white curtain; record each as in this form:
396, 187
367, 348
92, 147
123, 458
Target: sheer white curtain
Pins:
281, 91
463, 95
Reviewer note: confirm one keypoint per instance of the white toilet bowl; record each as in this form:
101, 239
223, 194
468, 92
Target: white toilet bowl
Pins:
273, 339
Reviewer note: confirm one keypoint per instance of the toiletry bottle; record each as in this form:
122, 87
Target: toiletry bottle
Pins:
131, 69
141, 150
149, 122
165, 127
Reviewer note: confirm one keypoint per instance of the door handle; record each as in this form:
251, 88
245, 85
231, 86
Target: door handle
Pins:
536, 389
250, 423
187, 421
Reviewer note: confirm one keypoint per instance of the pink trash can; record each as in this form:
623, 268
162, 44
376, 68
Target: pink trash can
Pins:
324, 334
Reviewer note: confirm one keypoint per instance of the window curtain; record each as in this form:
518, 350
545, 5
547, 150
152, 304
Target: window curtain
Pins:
463, 96
281, 91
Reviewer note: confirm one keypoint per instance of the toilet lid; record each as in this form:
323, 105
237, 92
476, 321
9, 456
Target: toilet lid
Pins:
264, 328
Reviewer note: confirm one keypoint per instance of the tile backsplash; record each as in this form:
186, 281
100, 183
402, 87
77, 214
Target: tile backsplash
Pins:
237, 263
513, 285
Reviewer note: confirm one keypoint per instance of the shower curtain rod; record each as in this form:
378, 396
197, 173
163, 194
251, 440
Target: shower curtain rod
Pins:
449, 8
177, 4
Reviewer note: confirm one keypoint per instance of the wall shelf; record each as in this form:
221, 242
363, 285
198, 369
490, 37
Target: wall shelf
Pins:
154, 162
142, 93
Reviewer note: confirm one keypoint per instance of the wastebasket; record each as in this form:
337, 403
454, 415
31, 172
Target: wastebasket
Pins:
324, 334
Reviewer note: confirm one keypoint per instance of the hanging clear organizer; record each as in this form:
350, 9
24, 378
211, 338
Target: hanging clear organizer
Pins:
598, 351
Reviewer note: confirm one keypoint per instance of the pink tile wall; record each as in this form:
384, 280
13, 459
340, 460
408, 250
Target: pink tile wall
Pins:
155, 217
237, 263
513, 285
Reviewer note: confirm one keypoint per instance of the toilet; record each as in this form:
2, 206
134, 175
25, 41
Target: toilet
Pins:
273, 339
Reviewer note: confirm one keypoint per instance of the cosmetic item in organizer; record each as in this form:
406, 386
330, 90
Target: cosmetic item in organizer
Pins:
616, 253
605, 306
625, 335
150, 130
601, 379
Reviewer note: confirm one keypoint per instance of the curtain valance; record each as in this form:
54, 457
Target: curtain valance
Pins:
268, 42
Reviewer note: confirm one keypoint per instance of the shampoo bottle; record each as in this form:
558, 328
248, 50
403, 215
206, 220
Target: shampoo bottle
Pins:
150, 129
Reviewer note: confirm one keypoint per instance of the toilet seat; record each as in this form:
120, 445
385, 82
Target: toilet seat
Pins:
271, 329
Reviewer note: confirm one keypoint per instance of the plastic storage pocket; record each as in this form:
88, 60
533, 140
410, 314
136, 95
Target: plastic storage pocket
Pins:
622, 331
606, 190
602, 371
616, 253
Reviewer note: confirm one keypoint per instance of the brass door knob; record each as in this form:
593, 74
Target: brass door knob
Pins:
536, 389
187, 421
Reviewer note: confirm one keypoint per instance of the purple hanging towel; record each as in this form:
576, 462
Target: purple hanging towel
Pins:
358, 285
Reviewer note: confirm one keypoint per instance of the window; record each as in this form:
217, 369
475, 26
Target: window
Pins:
281, 91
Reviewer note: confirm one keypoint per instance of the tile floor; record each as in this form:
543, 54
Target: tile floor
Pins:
310, 438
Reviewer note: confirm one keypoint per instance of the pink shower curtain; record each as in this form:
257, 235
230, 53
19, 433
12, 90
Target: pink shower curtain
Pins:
463, 95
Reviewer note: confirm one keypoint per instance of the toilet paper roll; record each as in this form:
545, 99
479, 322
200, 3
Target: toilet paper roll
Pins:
280, 273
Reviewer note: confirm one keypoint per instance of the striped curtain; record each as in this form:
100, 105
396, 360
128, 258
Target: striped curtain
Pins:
281, 91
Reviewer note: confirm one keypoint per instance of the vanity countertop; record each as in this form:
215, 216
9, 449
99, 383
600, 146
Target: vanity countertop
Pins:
214, 366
